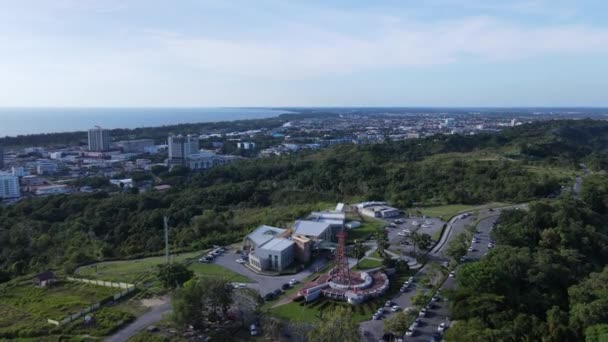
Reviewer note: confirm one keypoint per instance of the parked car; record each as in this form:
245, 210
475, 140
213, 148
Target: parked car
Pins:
403, 289
422, 312
269, 296
376, 316
253, 330
285, 286
407, 231
395, 308
416, 322
435, 298
277, 292
240, 261
490, 245
410, 332
388, 304
452, 274
471, 249
442, 327
204, 260
292, 282
401, 234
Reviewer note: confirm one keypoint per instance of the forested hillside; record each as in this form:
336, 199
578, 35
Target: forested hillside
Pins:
219, 205
546, 279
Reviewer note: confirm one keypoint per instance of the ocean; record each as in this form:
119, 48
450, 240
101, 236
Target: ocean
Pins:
19, 121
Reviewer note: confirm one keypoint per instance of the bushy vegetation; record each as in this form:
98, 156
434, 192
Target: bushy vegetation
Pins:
545, 280
220, 205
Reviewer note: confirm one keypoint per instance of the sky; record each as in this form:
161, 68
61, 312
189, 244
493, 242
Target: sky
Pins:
75, 53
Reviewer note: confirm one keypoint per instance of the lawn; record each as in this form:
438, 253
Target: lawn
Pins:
24, 308
57, 301
217, 271
311, 312
366, 264
446, 211
368, 227
130, 271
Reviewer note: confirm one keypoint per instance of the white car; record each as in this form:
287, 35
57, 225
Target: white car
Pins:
416, 322
292, 282
422, 312
407, 231
435, 298
401, 234
376, 316
406, 284
471, 249
452, 274
490, 245
409, 332
395, 308
240, 261
442, 327
410, 279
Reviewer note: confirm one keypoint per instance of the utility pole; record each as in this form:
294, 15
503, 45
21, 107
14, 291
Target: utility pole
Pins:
166, 222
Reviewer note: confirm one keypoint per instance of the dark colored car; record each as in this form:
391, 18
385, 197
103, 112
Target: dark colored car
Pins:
285, 286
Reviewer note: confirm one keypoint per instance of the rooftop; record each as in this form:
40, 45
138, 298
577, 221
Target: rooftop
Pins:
277, 244
263, 234
310, 228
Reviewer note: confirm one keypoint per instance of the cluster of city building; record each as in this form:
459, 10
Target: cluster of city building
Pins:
39, 171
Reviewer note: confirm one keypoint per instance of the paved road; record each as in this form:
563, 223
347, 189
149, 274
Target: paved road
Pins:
154, 315
455, 226
440, 311
265, 283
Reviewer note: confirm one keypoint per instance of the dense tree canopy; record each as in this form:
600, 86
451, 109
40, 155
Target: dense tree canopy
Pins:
219, 205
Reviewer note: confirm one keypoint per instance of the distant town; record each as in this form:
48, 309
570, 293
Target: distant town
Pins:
130, 164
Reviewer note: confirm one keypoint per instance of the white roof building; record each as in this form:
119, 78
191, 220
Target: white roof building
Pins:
313, 229
262, 235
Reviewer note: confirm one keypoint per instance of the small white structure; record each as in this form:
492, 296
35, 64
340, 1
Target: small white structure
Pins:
376, 209
353, 224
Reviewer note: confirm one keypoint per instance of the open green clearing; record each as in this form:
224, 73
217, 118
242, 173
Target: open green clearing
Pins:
25, 308
217, 271
311, 312
368, 227
447, 211
366, 264
57, 301
130, 271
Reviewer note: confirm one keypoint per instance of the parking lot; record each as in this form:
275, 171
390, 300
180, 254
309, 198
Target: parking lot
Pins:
264, 283
398, 235
439, 312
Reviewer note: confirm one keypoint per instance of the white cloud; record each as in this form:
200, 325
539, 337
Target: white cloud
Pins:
313, 53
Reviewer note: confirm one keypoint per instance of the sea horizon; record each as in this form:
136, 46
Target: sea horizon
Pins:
16, 121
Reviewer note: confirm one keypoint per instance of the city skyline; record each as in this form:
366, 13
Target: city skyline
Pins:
441, 53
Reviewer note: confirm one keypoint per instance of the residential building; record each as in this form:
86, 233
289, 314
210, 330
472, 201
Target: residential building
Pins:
53, 189
99, 139
56, 155
45, 166
135, 146
19, 171
245, 145
9, 186
180, 147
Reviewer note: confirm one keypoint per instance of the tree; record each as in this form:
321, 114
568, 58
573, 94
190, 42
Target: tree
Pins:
421, 240
336, 325
398, 323
359, 251
457, 248
206, 299
173, 275
188, 305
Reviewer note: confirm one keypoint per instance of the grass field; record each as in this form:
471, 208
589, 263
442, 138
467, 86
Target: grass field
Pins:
57, 301
25, 308
129, 271
311, 312
217, 271
447, 211
366, 264
368, 227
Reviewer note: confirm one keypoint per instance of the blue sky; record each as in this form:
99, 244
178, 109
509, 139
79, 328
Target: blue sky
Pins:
303, 53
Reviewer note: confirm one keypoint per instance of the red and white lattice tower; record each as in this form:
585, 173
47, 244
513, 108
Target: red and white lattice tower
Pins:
341, 272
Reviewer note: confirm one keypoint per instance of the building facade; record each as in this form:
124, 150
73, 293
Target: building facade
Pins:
135, 146
180, 147
9, 186
99, 139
